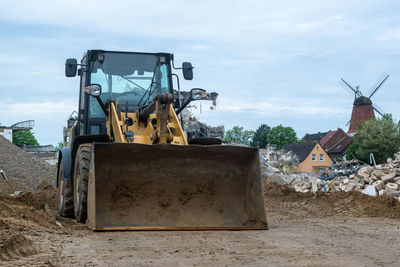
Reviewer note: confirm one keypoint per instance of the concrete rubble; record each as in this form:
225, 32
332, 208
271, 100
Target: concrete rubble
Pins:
376, 180
278, 161
194, 128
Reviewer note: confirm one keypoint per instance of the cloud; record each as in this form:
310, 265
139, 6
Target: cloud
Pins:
388, 35
50, 117
268, 60
335, 21
282, 106
221, 20
41, 111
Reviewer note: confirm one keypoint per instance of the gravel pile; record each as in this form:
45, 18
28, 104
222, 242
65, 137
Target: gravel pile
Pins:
376, 180
24, 167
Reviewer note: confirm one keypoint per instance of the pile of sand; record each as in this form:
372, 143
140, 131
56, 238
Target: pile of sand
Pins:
10, 186
23, 168
36, 207
26, 215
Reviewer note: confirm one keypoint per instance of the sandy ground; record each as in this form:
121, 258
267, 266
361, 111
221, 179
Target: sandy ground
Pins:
309, 242
304, 231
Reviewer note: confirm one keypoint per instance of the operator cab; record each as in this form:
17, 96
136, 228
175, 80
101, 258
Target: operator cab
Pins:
133, 79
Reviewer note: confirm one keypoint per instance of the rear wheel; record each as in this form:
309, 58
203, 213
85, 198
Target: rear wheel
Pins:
65, 194
81, 177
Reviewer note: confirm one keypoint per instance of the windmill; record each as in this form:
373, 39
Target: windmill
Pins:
363, 108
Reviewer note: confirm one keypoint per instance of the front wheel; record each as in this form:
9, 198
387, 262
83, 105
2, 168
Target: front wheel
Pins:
65, 194
81, 177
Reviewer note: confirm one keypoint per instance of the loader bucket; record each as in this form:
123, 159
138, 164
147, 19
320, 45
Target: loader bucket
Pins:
171, 187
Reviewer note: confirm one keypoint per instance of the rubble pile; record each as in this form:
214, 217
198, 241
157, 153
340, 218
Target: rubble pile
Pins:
283, 168
371, 180
195, 128
344, 168
301, 182
272, 161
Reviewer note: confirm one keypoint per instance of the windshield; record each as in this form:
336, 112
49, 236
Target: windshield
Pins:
131, 79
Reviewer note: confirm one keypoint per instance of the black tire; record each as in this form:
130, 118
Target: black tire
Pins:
65, 194
81, 177
205, 141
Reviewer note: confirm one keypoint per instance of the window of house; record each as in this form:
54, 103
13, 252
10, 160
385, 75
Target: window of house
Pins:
321, 157
317, 148
314, 157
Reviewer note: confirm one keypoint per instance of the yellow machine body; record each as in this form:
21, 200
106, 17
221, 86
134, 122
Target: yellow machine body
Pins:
156, 181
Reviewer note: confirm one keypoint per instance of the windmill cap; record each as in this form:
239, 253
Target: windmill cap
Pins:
362, 100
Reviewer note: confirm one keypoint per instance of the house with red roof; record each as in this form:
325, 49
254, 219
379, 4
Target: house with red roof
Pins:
311, 156
335, 143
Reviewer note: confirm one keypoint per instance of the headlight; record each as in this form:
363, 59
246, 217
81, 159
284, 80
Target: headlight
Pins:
198, 93
93, 89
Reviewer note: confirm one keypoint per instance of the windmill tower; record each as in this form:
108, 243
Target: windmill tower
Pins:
363, 108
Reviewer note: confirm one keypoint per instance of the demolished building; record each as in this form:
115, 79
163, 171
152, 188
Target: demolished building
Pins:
335, 142
196, 129
191, 125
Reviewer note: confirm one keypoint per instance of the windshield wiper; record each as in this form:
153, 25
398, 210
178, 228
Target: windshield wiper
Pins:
151, 85
148, 91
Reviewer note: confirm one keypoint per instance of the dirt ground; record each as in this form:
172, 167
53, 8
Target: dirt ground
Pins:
340, 229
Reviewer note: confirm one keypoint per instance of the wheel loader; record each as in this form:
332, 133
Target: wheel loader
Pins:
128, 164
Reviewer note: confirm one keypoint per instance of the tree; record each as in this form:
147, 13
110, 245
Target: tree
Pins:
59, 146
239, 136
260, 138
24, 137
279, 136
352, 151
378, 136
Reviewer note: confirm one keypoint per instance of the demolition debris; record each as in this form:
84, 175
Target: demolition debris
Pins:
346, 176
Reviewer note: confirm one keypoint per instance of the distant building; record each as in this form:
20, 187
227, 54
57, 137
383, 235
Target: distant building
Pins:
7, 132
311, 155
362, 111
335, 143
270, 154
195, 129
46, 152
314, 137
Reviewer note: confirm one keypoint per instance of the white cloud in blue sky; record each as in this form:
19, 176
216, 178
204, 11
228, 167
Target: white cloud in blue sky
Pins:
273, 62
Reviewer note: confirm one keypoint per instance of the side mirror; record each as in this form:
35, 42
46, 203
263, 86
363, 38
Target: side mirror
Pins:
187, 70
71, 65
93, 89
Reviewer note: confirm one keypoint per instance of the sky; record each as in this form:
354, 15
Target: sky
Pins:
271, 62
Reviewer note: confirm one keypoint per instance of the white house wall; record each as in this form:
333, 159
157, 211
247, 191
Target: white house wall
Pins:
7, 133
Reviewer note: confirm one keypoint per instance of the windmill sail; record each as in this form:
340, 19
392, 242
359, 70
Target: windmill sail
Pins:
377, 84
351, 90
378, 109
